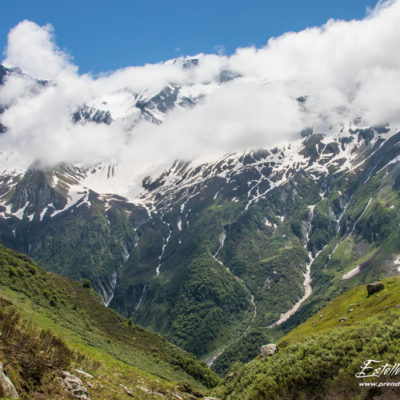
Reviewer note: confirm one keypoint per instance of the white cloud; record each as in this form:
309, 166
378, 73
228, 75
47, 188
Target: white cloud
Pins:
346, 69
32, 48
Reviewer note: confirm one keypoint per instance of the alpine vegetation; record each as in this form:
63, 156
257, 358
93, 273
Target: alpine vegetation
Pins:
221, 201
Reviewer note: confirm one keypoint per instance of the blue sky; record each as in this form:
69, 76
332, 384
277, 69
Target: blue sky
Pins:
105, 35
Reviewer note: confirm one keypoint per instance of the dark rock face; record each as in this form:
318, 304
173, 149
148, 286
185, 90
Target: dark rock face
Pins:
374, 287
226, 76
3, 73
86, 113
190, 63
36, 190
162, 102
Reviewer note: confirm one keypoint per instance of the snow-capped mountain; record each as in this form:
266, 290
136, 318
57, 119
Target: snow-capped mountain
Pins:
133, 107
151, 105
256, 238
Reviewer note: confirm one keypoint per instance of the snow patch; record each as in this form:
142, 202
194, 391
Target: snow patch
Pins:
165, 243
351, 273
113, 284
141, 297
42, 213
20, 213
125, 254
75, 195
267, 223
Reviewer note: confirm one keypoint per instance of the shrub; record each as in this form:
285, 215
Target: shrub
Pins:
86, 283
34, 351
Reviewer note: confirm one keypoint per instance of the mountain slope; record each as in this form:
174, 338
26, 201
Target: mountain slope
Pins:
214, 253
353, 236
319, 359
73, 311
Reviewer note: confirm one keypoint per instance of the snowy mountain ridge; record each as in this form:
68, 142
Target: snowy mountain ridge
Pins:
271, 168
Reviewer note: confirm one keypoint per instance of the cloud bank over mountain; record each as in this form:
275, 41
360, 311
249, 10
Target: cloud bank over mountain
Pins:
342, 70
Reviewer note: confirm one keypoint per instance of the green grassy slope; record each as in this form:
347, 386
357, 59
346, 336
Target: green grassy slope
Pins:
74, 312
368, 237
319, 359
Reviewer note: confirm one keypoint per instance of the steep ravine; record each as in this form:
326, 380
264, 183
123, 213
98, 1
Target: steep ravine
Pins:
222, 238
307, 278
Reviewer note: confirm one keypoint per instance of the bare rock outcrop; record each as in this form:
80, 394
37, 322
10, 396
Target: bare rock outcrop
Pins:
74, 386
268, 350
7, 388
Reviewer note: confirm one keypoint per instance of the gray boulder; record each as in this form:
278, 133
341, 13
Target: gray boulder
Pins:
74, 386
268, 350
7, 389
374, 287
